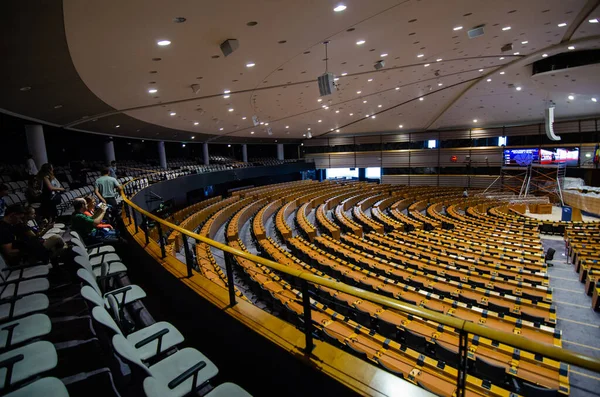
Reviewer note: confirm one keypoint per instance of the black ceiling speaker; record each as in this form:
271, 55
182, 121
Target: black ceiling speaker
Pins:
476, 32
506, 47
229, 46
379, 65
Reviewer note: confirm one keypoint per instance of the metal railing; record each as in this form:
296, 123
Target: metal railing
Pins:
308, 281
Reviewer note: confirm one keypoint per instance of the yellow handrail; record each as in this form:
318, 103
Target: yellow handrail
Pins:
546, 350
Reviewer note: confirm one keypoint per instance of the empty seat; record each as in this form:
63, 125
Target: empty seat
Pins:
23, 306
226, 390
447, 354
494, 374
26, 362
42, 388
18, 331
123, 296
529, 390
416, 341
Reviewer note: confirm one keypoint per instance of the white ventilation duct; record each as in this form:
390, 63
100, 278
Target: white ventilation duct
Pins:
549, 122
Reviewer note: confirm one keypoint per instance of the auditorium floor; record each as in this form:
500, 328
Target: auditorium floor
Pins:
580, 325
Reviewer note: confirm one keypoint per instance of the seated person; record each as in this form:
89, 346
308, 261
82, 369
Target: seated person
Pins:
86, 226
32, 223
91, 209
3, 193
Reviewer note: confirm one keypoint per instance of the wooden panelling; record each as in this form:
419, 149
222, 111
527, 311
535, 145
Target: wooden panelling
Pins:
424, 158
486, 132
395, 179
566, 127
368, 159
423, 180
461, 157
341, 140
341, 160
454, 134
395, 138
588, 125
367, 139
487, 157
454, 180
316, 142
397, 158
533, 129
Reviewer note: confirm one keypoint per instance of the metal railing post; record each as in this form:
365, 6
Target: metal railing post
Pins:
135, 222
188, 255
161, 240
230, 282
145, 227
307, 317
461, 376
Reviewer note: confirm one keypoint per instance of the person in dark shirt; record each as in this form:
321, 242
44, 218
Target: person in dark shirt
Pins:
10, 247
3, 193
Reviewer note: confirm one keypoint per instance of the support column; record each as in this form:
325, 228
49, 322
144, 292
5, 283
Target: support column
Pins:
280, 151
109, 151
205, 153
162, 155
245, 153
36, 144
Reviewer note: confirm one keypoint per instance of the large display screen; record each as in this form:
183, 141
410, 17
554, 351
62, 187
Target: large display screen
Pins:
521, 157
525, 157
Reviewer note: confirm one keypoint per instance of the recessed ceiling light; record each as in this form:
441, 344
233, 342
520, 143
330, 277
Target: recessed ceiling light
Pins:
379, 106
506, 28
420, 99
244, 118
287, 126
400, 126
370, 80
516, 53
336, 78
337, 130
163, 43
318, 121
183, 145
397, 88
339, 8
358, 92
594, 99
337, 111
344, 74
474, 120
172, 114
117, 126
426, 65
221, 129
420, 56
518, 88
193, 137
524, 42
367, 116
326, 107
457, 28
226, 92
501, 58
562, 25
262, 123
26, 88
308, 129
266, 123
502, 72
231, 109
373, 116
440, 84
544, 55
439, 60
364, 101
595, 20
383, 55
152, 91
488, 80
571, 47
225, 96
196, 123
250, 65
351, 114
251, 132
480, 70
319, 100
571, 97
303, 134
360, 42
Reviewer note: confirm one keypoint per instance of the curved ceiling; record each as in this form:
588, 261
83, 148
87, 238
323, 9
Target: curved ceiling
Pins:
434, 76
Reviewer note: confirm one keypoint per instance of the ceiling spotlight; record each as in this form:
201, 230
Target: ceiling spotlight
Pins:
344, 74
474, 120
196, 123
226, 92
152, 91
360, 42
326, 107
400, 126
365, 101
172, 114
421, 98
26, 88
228, 145
383, 55
501, 58
440, 84
562, 25
183, 145
58, 106
594, 99
351, 114
488, 80
244, 118
319, 121
358, 92
370, 80
319, 100
337, 111
221, 129
251, 132
225, 96
250, 65
397, 88
336, 78
518, 88
287, 126
379, 106
595, 20
457, 28
506, 28
339, 8
439, 60
262, 123
571, 47
571, 97
544, 55
516, 53
163, 43
480, 70
502, 72
266, 123
231, 109
367, 116
524, 42
426, 65
193, 137
303, 134
420, 56
117, 126
373, 116
337, 130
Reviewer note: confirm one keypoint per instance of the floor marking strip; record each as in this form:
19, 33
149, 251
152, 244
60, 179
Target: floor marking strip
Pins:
586, 375
573, 304
568, 290
577, 322
563, 278
581, 344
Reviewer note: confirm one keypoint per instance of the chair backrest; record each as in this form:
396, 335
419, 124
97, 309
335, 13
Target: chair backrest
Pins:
79, 244
92, 296
489, 371
83, 262
76, 235
81, 252
124, 350
532, 390
101, 316
89, 279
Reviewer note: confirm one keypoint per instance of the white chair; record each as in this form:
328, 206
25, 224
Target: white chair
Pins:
179, 374
8, 274
96, 259
149, 341
111, 268
45, 387
93, 250
23, 306
26, 362
225, 390
24, 287
18, 331
124, 295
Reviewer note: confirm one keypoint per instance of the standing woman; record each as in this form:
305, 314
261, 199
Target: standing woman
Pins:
51, 191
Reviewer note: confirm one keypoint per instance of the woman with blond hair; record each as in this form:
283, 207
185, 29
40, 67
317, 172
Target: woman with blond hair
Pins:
50, 191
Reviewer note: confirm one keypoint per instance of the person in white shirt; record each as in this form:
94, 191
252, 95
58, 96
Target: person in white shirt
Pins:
30, 166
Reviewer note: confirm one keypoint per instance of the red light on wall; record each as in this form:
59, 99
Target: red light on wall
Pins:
454, 159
